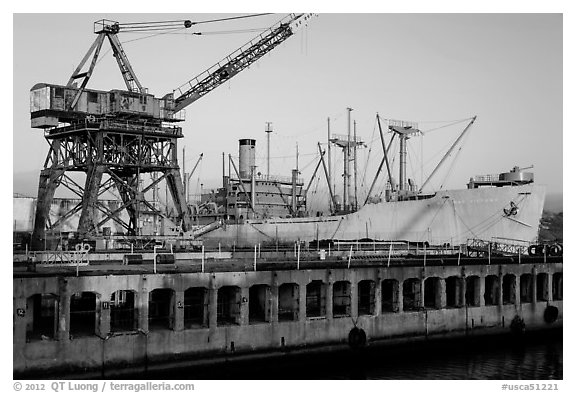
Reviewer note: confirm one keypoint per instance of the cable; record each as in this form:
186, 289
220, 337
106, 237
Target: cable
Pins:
227, 32
231, 18
152, 35
315, 129
368, 156
205, 32
132, 40
447, 125
161, 25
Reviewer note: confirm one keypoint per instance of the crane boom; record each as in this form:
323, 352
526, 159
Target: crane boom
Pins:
237, 61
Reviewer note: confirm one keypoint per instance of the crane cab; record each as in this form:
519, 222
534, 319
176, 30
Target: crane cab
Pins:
50, 105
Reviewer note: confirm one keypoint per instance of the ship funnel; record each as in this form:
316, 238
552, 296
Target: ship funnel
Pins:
247, 153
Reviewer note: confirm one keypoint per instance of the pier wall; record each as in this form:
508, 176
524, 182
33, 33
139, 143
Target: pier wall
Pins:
387, 304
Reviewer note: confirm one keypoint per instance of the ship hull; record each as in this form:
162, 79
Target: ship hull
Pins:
450, 216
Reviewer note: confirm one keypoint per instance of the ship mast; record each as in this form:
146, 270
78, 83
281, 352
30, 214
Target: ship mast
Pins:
348, 143
268, 131
355, 171
347, 185
404, 130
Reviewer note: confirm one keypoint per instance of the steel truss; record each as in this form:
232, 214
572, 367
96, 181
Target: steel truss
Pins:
113, 159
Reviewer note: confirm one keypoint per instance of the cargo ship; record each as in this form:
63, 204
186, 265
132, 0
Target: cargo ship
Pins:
252, 208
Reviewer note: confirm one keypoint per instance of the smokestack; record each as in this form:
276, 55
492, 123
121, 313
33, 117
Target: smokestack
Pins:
247, 153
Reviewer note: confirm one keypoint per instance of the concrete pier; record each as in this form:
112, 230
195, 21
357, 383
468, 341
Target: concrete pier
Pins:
105, 324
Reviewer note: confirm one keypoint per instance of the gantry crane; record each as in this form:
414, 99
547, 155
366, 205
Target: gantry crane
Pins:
124, 134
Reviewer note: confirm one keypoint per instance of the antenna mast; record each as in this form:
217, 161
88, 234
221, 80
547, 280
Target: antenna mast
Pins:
268, 131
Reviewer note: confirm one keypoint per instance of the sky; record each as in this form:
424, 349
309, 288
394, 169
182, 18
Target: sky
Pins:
429, 68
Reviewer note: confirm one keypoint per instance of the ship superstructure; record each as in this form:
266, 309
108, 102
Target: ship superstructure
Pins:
248, 194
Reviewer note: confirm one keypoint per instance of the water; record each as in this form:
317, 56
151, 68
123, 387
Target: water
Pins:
534, 357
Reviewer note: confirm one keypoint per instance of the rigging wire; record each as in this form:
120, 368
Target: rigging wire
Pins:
152, 35
368, 156
451, 167
232, 18
313, 130
176, 30
159, 25
447, 125
258, 30
132, 40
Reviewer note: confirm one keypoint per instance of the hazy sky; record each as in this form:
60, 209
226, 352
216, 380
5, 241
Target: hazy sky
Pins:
505, 68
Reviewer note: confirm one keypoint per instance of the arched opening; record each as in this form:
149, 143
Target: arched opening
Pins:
42, 321
390, 295
432, 294
228, 307
366, 289
123, 313
161, 309
473, 291
491, 290
83, 314
316, 299
259, 304
195, 307
341, 299
509, 289
288, 302
542, 287
411, 294
454, 292
526, 288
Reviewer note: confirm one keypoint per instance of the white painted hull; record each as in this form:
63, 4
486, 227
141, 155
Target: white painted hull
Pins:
451, 216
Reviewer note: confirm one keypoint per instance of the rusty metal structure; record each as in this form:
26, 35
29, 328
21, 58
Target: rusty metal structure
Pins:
115, 137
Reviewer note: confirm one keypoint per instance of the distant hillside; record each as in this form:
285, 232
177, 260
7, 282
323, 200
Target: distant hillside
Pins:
553, 202
551, 227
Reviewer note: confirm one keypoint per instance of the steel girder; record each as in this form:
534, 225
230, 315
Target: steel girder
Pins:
122, 158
